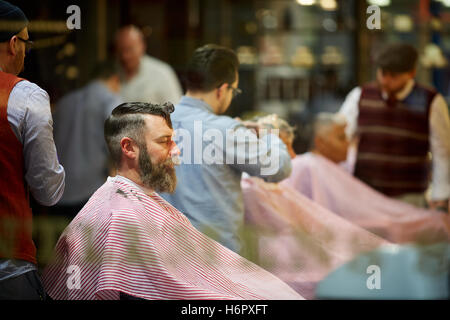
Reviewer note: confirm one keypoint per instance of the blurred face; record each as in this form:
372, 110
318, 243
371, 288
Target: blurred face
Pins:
333, 143
393, 83
130, 48
157, 169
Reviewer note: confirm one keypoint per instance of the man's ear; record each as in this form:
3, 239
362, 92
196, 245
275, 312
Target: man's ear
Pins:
129, 148
12, 46
220, 91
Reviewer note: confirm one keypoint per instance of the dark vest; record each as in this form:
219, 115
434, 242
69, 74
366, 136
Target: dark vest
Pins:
15, 211
393, 152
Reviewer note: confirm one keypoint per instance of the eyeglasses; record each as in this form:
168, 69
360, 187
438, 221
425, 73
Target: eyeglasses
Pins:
28, 44
235, 91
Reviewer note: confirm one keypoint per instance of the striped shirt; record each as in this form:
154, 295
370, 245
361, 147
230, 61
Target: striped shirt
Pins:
124, 240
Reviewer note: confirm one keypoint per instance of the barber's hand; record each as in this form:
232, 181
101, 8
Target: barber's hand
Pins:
440, 205
255, 127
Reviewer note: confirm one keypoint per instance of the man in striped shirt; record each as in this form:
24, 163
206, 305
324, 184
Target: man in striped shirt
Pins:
127, 242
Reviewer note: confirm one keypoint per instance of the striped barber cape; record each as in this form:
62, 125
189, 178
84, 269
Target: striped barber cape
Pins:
126, 241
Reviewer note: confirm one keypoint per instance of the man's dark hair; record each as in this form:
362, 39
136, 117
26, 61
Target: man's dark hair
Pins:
397, 58
105, 70
210, 67
126, 120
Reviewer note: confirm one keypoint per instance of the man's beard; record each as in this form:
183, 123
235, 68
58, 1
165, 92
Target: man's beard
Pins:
160, 177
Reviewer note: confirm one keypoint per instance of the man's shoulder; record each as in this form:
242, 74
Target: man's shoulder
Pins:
94, 93
427, 88
373, 85
27, 95
29, 87
186, 114
114, 196
223, 122
70, 96
100, 94
306, 160
152, 63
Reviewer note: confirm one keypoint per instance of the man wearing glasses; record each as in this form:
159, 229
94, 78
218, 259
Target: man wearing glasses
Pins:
28, 160
216, 149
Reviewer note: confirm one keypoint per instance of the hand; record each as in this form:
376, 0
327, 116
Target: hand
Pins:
255, 127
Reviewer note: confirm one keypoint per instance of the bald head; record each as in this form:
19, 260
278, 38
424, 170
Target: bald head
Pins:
130, 47
330, 139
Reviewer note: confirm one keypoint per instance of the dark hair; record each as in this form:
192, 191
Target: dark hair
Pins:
211, 66
104, 70
126, 121
397, 58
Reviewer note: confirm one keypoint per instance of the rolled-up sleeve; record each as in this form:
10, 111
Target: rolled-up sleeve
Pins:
440, 148
266, 157
43, 173
350, 111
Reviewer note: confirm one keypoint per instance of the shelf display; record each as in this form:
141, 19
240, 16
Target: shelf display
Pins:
295, 44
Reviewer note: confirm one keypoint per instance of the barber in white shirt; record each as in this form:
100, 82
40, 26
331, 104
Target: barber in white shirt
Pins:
398, 122
28, 161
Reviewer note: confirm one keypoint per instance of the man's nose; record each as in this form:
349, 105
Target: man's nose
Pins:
175, 151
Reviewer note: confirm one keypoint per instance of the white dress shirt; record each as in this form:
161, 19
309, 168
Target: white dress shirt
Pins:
31, 121
439, 135
155, 82
30, 118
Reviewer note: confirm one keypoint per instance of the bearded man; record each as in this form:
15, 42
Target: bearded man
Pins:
129, 243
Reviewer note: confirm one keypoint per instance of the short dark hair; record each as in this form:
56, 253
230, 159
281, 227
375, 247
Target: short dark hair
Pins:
126, 121
397, 58
211, 66
105, 70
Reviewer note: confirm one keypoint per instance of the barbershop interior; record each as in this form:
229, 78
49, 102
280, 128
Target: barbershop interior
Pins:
297, 57
299, 64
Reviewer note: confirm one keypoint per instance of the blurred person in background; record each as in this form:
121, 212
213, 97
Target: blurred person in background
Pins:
79, 117
143, 78
398, 122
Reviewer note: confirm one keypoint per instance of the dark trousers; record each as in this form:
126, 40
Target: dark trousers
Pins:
27, 286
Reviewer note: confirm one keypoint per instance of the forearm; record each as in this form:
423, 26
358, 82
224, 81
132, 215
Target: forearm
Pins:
43, 173
440, 149
266, 157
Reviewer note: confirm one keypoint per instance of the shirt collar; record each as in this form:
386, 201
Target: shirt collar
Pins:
195, 103
402, 94
123, 179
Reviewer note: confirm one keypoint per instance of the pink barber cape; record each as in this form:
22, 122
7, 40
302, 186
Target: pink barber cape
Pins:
126, 241
299, 240
335, 189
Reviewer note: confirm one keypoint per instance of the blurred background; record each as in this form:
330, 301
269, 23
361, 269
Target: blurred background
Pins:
298, 57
